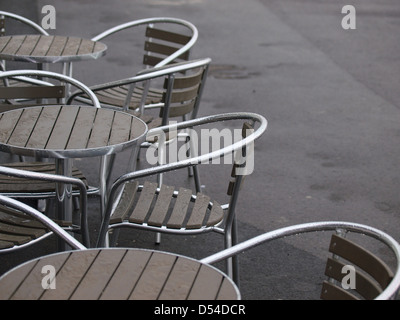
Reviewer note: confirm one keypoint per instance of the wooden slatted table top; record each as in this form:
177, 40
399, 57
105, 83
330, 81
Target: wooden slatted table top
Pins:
49, 49
69, 131
119, 274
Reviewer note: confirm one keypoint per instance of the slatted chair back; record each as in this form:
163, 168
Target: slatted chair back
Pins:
43, 89
163, 43
387, 283
372, 275
182, 93
160, 44
240, 161
17, 96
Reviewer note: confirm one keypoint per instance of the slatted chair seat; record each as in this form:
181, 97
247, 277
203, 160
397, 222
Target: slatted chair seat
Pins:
21, 225
12, 185
166, 208
18, 229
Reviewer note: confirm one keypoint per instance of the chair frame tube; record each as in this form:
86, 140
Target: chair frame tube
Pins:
134, 23
388, 293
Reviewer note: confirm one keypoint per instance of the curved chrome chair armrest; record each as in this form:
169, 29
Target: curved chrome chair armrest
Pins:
158, 20
24, 20
48, 74
61, 179
54, 227
388, 293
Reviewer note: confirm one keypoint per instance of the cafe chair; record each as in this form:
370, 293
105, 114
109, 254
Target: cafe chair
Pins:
166, 40
177, 210
181, 95
7, 21
370, 276
21, 225
49, 92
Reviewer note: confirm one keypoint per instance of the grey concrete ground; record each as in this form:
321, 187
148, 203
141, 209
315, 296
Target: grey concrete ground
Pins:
331, 97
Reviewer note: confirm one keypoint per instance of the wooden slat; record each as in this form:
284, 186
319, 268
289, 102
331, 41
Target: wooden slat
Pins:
34, 233
9, 216
32, 92
125, 206
31, 283
121, 128
184, 95
144, 203
23, 128
14, 239
207, 285
86, 46
70, 274
126, 276
227, 291
167, 35
158, 215
365, 286
332, 292
72, 46
13, 45
180, 280
62, 129
159, 48
28, 45
181, 206
16, 184
151, 60
14, 281
154, 277
216, 215
101, 129
137, 128
361, 257
43, 46
98, 275
43, 128
83, 128
57, 47
199, 211
7, 124
5, 245
187, 81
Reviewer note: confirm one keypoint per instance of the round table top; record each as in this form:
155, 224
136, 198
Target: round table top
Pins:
116, 274
49, 49
68, 131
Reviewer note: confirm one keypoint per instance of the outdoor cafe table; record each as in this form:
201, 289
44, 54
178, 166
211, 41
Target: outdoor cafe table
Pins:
67, 132
41, 49
116, 273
